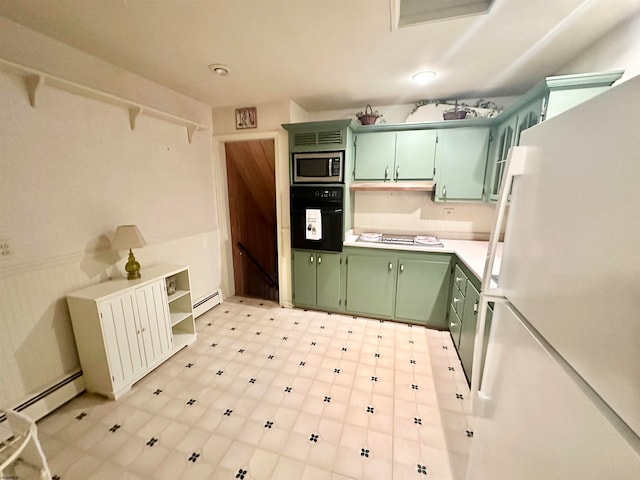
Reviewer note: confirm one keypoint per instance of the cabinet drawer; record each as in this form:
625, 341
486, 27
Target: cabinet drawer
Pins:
457, 301
460, 281
455, 326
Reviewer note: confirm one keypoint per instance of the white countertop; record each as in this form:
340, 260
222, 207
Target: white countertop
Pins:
473, 253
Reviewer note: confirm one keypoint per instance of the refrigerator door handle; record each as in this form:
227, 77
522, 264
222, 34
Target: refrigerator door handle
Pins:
514, 167
476, 395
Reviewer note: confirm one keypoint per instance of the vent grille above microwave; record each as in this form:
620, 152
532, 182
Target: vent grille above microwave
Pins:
304, 138
330, 137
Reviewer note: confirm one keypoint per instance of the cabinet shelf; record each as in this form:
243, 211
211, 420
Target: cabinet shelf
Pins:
177, 295
401, 186
177, 317
35, 80
181, 340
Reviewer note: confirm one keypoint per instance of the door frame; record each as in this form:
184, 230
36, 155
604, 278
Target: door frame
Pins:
283, 241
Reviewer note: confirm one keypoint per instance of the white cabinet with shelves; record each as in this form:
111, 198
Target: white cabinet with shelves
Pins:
125, 328
180, 309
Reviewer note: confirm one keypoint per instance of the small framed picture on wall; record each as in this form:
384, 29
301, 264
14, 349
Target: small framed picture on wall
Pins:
246, 118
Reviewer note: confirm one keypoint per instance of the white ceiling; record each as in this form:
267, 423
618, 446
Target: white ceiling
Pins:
325, 54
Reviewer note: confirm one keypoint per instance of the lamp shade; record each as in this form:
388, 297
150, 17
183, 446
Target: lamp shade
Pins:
126, 237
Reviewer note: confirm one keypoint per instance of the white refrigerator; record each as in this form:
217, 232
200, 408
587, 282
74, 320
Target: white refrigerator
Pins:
559, 395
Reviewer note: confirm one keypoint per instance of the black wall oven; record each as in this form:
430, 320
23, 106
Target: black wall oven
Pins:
317, 217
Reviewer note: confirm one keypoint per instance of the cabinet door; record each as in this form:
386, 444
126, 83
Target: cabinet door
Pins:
120, 328
415, 154
461, 160
304, 278
505, 137
154, 321
370, 284
375, 153
468, 330
528, 117
422, 292
328, 280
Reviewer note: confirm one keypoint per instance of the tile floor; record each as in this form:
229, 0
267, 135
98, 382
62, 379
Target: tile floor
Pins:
273, 393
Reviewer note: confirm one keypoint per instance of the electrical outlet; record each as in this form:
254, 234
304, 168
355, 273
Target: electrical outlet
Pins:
5, 249
449, 212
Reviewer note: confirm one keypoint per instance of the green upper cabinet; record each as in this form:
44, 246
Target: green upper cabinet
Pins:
423, 290
567, 91
529, 116
415, 154
507, 136
504, 139
375, 155
371, 284
404, 155
549, 98
461, 161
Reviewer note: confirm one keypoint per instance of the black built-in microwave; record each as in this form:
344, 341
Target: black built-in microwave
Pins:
318, 167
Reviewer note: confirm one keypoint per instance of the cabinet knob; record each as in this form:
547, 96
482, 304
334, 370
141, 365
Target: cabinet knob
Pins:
310, 258
455, 300
319, 259
390, 266
386, 172
444, 192
475, 306
397, 172
401, 268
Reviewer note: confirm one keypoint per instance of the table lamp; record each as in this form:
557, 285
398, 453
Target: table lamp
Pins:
129, 237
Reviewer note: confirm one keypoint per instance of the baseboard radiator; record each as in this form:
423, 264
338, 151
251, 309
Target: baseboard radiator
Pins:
52, 397
207, 303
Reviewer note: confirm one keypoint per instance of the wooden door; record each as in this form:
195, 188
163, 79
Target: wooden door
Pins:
252, 211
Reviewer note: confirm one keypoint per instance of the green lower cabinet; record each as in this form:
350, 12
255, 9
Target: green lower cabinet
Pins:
411, 287
423, 288
463, 320
328, 280
370, 285
468, 329
304, 277
316, 279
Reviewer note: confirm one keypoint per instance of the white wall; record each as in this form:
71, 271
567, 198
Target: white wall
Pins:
618, 50
415, 213
71, 171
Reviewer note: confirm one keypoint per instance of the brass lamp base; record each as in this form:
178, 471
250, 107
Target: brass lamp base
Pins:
132, 267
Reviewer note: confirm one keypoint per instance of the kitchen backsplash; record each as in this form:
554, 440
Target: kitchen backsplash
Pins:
417, 213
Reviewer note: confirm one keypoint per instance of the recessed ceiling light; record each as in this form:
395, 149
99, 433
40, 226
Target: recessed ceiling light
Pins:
219, 69
423, 77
